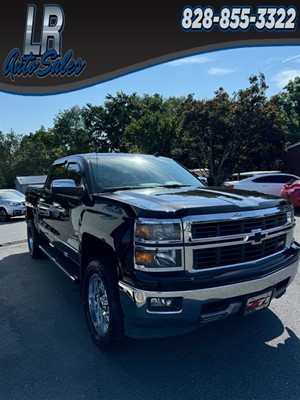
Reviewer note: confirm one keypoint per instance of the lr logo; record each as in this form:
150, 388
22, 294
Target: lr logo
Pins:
43, 58
52, 27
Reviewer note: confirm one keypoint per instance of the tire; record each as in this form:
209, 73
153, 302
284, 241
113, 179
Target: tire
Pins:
3, 215
33, 240
102, 304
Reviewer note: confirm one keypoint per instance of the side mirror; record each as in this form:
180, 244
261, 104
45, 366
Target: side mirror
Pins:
66, 187
203, 180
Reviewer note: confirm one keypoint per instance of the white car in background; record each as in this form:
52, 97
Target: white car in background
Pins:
266, 183
12, 204
238, 176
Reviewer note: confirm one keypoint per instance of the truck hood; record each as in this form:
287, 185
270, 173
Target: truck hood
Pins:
191, 199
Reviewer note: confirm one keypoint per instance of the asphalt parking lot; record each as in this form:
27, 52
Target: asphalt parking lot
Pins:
46, 351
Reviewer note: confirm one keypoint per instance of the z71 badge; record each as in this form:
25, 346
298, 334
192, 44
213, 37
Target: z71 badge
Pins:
258, 302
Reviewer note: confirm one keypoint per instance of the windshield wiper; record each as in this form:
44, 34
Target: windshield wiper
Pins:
115, 189
174, 186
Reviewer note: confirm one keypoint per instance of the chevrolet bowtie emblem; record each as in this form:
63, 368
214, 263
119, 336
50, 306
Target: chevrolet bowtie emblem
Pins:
256, 236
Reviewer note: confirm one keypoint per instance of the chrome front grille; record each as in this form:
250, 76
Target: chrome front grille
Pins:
224, 240
230, 255
224, 228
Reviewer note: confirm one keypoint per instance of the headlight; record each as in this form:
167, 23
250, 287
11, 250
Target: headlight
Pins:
290, 216
158, 245
158, 231
158, 259
12, 203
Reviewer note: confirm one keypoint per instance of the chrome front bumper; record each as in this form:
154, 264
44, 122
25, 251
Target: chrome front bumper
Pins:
142, 322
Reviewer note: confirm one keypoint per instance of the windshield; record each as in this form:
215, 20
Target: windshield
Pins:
139, 171
12, 195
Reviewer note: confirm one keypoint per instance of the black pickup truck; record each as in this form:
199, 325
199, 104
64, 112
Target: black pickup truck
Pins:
157, 253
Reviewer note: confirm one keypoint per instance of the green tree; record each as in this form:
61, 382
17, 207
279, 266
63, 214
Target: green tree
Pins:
235, 134
208, 134
36, 153
107, 123
71, 131
189, 147
261, 132
9, 144
94, 117
153, 131
288, 102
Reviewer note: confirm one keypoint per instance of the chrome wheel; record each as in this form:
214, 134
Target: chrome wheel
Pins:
98, 304
102, 303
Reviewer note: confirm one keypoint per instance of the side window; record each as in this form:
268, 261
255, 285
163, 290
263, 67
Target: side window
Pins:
262, 179
73, 172
58, 171
287, 178
63, 171
273, 179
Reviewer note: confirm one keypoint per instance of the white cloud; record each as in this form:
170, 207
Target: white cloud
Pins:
290, 59
279, 60
220, 71
202, 59
272, 60
283, 77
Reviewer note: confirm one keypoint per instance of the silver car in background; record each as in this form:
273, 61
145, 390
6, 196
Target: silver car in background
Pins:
12, 204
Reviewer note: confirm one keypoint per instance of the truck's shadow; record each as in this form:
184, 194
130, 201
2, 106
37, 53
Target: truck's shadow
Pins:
233, 359
13, 220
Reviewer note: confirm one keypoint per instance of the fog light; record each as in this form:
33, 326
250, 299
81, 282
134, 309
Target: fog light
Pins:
161, 302
165, 304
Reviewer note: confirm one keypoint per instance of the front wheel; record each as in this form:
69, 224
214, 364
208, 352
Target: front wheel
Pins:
3, 215
102, 304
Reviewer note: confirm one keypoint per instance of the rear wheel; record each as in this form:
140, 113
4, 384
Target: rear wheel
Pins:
3, 215
102, 304
33, 240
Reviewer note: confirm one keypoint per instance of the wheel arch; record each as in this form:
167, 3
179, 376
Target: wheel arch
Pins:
94, 248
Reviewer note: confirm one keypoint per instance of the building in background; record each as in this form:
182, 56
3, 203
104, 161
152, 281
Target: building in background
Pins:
21, 182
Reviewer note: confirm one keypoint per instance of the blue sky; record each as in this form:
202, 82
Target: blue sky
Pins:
200, 75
